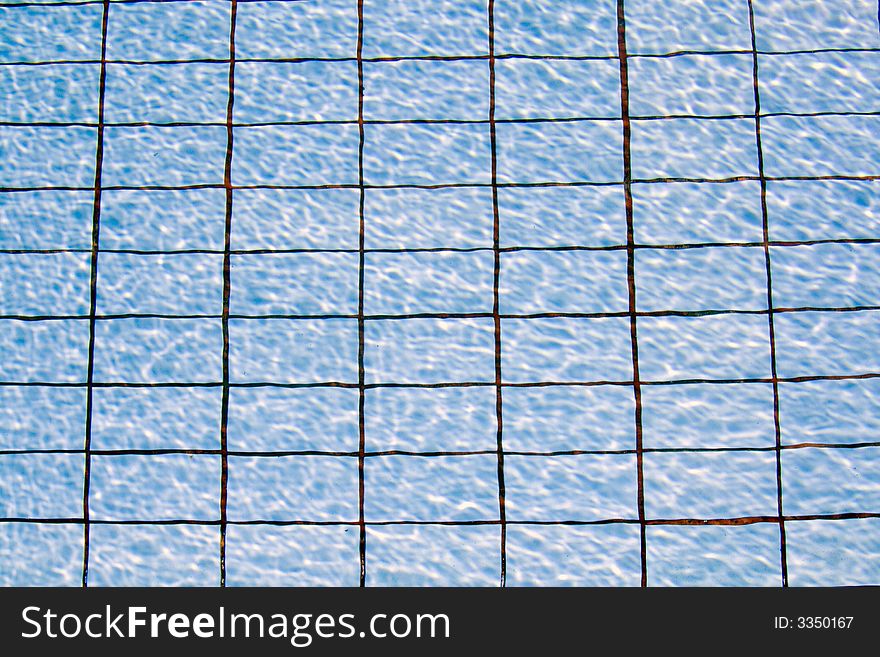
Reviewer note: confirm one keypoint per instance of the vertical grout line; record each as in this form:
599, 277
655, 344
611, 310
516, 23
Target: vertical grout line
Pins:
227, 281
496, 316
362, 546
783, 556
631, 280
93, 295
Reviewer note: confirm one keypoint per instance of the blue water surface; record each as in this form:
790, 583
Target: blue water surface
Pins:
430, 290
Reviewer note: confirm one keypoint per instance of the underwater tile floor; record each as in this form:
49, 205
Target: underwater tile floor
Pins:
461, 292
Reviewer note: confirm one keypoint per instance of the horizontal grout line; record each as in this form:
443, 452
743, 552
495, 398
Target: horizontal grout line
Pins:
439, 385
426, 121
452, 249
433, 454
431, 58
455, 185
450, 315
736, 521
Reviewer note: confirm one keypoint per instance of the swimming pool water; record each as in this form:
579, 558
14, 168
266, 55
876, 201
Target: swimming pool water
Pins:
463, 293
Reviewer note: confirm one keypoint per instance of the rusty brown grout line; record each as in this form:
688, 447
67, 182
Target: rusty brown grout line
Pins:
631, 285
651, 522
496, 316
227, 285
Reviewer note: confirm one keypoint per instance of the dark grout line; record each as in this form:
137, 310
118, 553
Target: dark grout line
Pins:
652, 522
430, 121
369, 454
631, 284
709, 312
451, 185
439, 385
427, 58
93, 299
496, 316
452, 249
771, 326
362, 539
227, 285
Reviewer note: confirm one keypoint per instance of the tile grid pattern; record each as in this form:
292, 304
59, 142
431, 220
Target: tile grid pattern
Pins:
107, 374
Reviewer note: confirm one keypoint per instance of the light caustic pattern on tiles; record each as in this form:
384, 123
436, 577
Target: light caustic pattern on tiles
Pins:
345, 292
